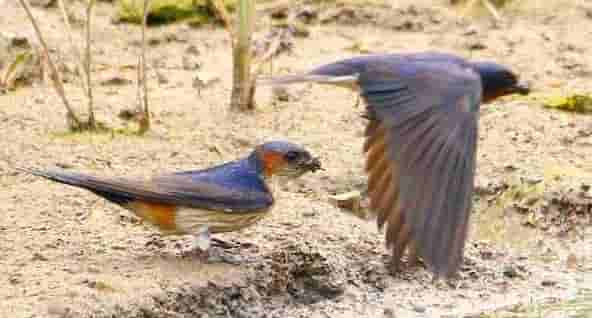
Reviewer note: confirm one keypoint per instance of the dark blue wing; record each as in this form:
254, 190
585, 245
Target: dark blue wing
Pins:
230, 188
421, 150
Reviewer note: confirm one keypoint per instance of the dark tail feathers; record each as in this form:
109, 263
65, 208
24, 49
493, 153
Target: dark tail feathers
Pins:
81, 181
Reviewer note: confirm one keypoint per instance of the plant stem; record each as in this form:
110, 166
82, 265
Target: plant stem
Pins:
243, 88
73, 121
89, 93
145, 118
74, 48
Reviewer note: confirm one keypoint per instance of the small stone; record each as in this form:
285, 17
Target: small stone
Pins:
572, 261
192, 49
58, 310
281, 93
93, 269
511, 272
548, 283
15, 40
190, 63
14, 280
43, 3
308, 214
419, 308
476, 46
64, 165
389, 313
162, 79
300, 30
39, 257
349, 200
280, 12
204, 80
115, 80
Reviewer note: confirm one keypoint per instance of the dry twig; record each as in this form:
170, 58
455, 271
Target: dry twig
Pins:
89, 94
74, 48
272, 50
222, 13
144, 120
488, 5
73, 121
243, 88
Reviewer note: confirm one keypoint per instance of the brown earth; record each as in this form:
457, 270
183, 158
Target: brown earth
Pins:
67, 253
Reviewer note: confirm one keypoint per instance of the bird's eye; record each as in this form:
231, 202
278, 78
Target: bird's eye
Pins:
291, 156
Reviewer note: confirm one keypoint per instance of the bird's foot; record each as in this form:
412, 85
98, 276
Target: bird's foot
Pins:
220, 255
195, 252
224, 244
212, 255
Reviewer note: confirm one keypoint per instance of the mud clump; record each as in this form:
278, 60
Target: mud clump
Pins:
308, 274
294, 273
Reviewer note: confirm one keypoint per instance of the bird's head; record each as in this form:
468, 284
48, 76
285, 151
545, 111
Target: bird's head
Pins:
281, 158
497, 80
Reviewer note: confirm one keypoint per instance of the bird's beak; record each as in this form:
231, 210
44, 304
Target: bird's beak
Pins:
522, 88
313, 165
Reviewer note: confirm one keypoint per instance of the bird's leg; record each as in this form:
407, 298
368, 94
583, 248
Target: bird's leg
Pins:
202, 240
200, 246
211, 250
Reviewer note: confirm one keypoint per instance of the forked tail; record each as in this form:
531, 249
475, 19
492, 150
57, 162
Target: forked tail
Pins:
87, 182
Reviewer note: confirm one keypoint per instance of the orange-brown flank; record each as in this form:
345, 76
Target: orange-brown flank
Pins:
161, 215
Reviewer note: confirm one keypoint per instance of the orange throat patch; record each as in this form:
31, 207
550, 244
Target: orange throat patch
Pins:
272, 161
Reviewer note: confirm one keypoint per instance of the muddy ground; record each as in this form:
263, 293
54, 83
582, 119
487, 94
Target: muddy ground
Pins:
67, 253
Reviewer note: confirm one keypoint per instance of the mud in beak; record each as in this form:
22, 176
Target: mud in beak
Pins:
521, 88
313, 165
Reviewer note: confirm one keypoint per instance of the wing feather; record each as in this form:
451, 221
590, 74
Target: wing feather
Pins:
423, 194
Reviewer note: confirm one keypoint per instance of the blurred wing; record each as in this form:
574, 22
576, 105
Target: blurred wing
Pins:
421, 149
175, 189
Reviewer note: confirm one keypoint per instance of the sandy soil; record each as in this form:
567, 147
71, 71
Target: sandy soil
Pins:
67, 253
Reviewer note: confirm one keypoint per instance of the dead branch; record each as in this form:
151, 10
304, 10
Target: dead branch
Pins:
74, 48
89, 94
145, 114
73, 121
243, 87
491, 8
488, 5
272, 50
222, 13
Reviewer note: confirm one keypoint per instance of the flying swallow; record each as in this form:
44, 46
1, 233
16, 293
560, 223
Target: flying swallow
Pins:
420, 144
223, 198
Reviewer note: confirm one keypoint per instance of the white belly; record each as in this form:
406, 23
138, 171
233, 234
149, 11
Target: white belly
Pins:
190, 220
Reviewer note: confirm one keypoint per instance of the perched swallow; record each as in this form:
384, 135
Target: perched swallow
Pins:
223, 198
421, 142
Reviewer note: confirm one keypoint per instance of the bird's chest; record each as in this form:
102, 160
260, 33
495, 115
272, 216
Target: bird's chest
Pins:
189, 221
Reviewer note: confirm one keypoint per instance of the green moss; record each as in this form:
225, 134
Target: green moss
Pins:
578, 103
196, 12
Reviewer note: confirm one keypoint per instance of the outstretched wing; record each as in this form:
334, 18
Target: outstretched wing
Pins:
421, 150
192, 189
420, 146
